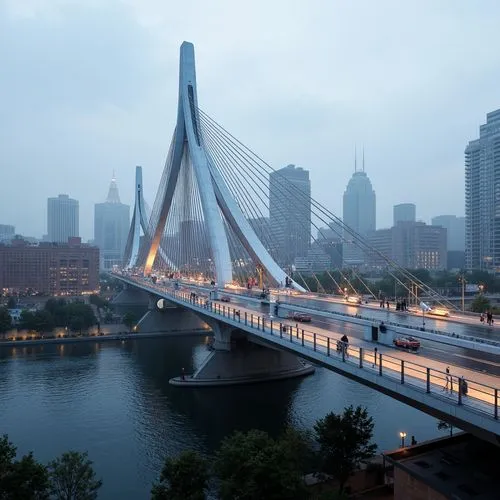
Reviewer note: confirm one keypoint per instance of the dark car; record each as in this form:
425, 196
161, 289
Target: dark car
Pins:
302, 317
225, 298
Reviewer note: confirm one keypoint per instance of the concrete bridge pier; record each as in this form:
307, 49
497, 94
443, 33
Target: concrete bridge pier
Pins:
237, 360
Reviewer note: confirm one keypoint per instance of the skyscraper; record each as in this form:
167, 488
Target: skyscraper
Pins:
290, 213
62, 218
482, 197
111, 226
404, 212
359, 213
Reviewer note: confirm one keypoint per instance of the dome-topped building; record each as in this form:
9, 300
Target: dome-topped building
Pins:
359, 212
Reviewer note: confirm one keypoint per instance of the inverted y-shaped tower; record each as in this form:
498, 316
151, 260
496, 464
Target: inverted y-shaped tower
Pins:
139, 220
218, 206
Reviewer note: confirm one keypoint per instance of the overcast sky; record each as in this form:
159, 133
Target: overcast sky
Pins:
90, 86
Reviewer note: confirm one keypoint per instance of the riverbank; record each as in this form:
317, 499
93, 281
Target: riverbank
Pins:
103, 338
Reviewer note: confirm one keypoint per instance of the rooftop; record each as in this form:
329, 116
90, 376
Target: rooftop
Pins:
460, 467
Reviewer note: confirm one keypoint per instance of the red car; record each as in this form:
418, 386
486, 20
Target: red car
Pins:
225, 298
303, 318
409, 343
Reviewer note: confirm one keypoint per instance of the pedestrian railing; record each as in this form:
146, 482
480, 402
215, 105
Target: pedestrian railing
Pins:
477, 396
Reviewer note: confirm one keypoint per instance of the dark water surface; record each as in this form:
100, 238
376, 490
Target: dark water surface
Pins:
114, 400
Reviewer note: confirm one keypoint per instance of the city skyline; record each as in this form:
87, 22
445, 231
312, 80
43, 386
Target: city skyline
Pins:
90, 102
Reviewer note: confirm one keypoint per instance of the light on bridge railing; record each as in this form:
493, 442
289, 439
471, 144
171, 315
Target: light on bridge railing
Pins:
402, 435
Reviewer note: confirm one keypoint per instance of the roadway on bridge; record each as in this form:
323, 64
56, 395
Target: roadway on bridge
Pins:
417, 372
466, 358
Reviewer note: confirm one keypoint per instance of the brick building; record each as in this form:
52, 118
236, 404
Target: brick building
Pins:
51, 268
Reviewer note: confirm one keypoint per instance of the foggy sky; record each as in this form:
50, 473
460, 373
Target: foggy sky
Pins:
90, 86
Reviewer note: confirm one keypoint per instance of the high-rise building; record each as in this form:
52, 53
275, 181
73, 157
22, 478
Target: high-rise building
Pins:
290, 213
62, 218
404, 212
482, 200
455, 228
7, 232
111, 226
359, 214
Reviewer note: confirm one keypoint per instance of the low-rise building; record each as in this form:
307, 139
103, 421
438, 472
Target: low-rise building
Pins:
461, 467
70, 268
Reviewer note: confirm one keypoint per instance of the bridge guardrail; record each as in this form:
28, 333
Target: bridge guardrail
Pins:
477, 396
479, 340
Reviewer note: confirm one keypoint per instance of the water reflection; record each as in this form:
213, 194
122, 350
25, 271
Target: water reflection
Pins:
114, 400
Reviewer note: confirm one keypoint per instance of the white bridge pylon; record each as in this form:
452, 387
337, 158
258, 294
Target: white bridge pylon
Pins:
139, 221
218, 206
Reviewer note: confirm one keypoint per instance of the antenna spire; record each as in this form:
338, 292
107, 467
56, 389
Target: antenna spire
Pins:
355, 159
363, 158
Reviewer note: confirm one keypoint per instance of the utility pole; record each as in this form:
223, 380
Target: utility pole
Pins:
463, 281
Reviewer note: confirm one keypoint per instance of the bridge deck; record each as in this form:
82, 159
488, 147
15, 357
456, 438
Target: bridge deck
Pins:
411, 376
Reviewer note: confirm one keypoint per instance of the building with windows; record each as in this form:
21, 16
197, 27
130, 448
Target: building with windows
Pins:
62, 218
111, 226
404, 212
70, 268
413, 245
482, 197
7, 233
359, 213
455, 230
290, 213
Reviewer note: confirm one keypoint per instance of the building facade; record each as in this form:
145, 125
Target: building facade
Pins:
70, 268
62, 218
482, 197
404, 212
412, 245
7, 233
111, 226
455, 229
359, 214
290, 213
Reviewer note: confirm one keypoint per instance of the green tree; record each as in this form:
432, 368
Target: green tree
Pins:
27, 320
5, 320
129, 320
72, 477
252, 465
345, 442
480, 304
23, 479
44, 322
11, 303
97, 301
182, 478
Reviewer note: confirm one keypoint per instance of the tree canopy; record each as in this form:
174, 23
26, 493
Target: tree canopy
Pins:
253, 465
72, 477
345, 442
23, 479
182, 478
5, 320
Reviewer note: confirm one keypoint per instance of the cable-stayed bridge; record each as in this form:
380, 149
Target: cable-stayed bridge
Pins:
211, 232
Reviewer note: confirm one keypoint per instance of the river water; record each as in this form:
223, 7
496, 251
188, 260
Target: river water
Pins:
114, 400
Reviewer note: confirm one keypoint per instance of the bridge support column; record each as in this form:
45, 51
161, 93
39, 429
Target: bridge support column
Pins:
237, 360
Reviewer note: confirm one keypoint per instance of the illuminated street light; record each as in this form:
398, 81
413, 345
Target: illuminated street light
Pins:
402, 435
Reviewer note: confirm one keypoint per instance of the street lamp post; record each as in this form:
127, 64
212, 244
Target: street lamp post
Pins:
462, 280
402, 435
